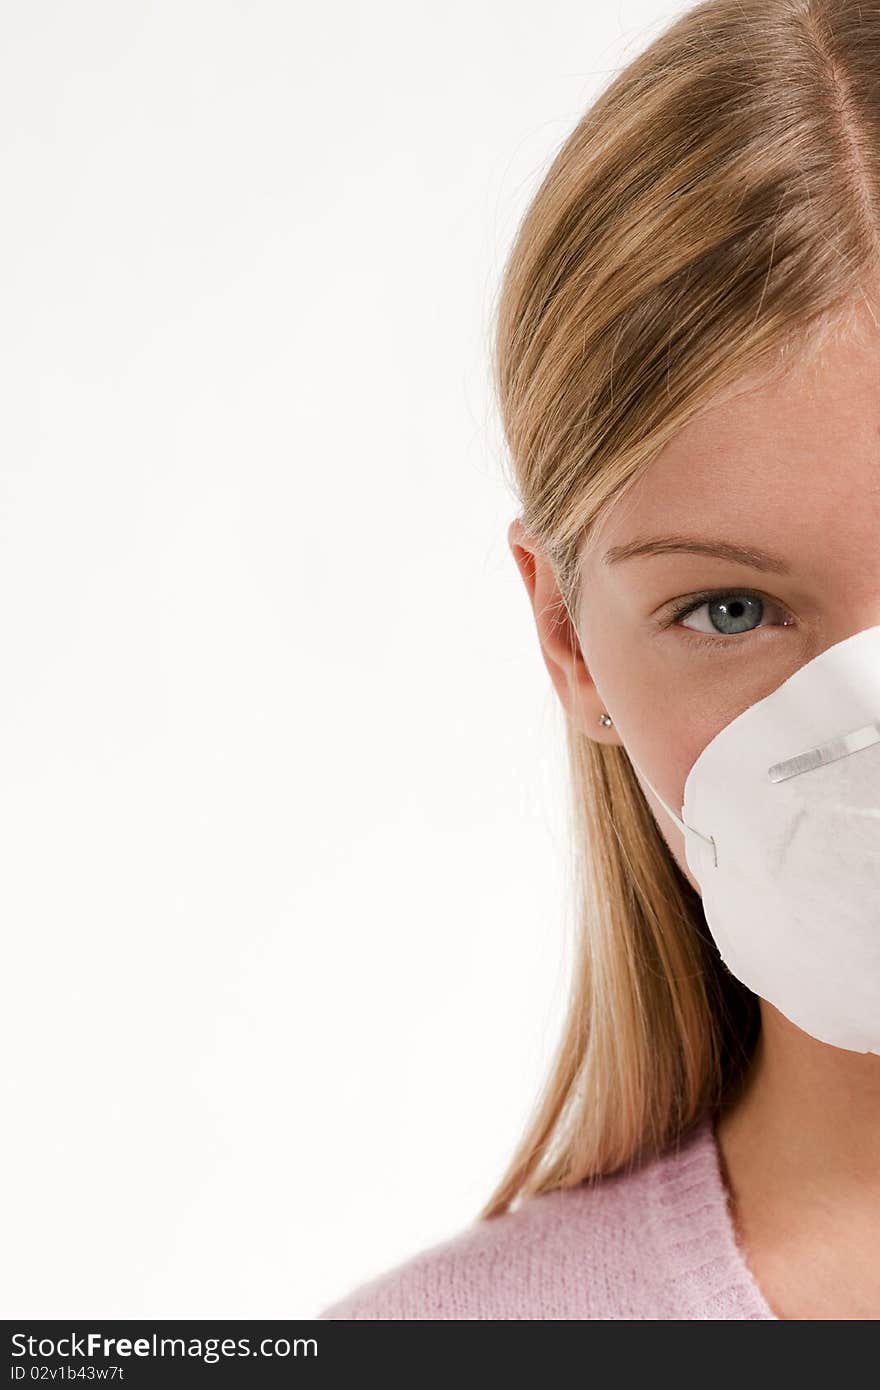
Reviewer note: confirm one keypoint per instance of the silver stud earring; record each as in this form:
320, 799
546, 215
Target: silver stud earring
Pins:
605, 720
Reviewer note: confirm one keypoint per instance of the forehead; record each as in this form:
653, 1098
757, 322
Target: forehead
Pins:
795, 459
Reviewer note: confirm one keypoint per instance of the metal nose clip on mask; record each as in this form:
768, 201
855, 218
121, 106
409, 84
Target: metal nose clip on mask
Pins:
781, 819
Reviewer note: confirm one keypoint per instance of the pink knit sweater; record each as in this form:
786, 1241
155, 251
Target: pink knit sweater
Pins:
657, 1242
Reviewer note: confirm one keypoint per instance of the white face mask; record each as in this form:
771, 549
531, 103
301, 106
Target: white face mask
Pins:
781, 819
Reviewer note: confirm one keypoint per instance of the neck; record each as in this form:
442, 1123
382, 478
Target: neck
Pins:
807, 1119
801, 1149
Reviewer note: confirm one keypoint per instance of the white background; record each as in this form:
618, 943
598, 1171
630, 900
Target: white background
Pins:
282, 783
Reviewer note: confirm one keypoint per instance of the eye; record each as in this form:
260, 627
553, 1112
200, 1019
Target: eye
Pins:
728, 612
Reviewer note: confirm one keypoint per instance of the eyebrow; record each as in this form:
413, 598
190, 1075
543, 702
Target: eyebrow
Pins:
723, 550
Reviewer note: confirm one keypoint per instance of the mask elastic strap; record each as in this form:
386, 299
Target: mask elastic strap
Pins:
709, 839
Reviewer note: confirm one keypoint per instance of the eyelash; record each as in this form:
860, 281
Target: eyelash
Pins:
696, 601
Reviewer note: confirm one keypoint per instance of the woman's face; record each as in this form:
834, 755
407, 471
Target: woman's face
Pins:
786, 477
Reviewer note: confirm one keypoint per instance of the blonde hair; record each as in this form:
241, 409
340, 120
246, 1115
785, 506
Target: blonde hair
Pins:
712, 215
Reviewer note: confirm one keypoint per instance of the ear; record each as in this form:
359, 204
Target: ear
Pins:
560, 644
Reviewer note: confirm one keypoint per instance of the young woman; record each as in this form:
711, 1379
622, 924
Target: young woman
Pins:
688, 369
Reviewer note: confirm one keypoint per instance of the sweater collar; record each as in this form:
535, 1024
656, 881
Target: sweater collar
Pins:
693, 1211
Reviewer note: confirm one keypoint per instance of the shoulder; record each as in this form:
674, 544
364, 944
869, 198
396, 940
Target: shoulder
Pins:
623, 1246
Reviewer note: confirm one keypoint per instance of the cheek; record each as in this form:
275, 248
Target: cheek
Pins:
663, 738
653, 722
662, 721
663, 746
671, 833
